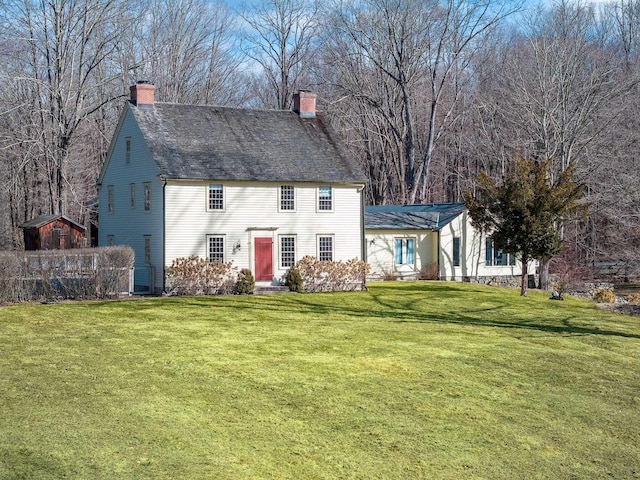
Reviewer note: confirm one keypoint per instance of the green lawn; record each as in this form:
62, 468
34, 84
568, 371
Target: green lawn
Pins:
408, 380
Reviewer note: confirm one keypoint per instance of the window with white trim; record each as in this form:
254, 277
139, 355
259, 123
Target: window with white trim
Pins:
325, 248
325, 198
404, 251
287, 198
215, 246
287, 251
147, 195
496, 257
215, 196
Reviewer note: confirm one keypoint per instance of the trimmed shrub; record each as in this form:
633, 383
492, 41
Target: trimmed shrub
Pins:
198, 276
293, 280
604, 295
245, 283
634, 299
325, 276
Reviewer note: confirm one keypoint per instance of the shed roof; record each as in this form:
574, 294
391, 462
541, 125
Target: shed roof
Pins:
223, 143
433, 216
42, 220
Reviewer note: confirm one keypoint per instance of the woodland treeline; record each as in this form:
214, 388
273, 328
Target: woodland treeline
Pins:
425, 93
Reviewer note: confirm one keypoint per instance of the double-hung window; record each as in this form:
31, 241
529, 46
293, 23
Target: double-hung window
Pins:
215, 245
132, 195
110, 198
325, 198
287, 251
404, 251
325, 248
287, 198
496, 257
147, 249
146, 189
216, 196
127, 150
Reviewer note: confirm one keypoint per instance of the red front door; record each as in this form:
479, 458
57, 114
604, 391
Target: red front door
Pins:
264, 258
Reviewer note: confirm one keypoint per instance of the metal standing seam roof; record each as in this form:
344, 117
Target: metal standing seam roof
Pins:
433, 216
223, 143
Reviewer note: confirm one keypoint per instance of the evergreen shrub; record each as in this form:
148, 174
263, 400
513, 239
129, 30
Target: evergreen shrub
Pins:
245, 283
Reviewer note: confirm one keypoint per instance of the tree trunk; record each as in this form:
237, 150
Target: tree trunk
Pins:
544, 273
525, 277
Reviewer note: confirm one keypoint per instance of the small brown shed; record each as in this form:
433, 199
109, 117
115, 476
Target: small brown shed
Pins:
52, 232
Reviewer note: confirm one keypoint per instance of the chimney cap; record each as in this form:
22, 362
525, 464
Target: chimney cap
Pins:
144, 82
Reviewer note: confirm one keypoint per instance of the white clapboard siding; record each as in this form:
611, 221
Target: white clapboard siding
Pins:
251, 211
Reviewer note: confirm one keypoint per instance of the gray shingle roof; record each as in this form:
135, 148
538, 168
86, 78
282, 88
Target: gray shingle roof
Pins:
433, 216
222, 143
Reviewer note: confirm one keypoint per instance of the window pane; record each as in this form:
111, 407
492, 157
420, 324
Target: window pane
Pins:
512, 259
287, 251
132, 195
216, 249
398, 251
287, 199
456, 251
488, 252
147, 249
325, 198
127, 150
325, 248
216, 200
110, 198
147, 196
410, 248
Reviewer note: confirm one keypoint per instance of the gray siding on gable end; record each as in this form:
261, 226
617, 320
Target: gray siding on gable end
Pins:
127, 225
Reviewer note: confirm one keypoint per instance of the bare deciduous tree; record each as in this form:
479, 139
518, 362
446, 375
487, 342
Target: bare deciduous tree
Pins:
281, 38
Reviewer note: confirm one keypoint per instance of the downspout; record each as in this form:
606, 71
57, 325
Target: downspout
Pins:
363, 247
164, 232
438, 245
439, 254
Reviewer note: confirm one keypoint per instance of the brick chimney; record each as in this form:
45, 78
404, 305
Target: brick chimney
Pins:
142, 94
304, 104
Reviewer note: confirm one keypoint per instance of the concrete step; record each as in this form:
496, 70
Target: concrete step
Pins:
270, 289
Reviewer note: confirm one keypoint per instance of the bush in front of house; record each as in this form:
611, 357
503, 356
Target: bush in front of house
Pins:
634, 299
245, 283
48, 275
326, 276
604, 295
198, 276
293, 280
429, 272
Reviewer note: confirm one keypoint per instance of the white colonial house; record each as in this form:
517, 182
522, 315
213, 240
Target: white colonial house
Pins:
436, 240
256, 187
